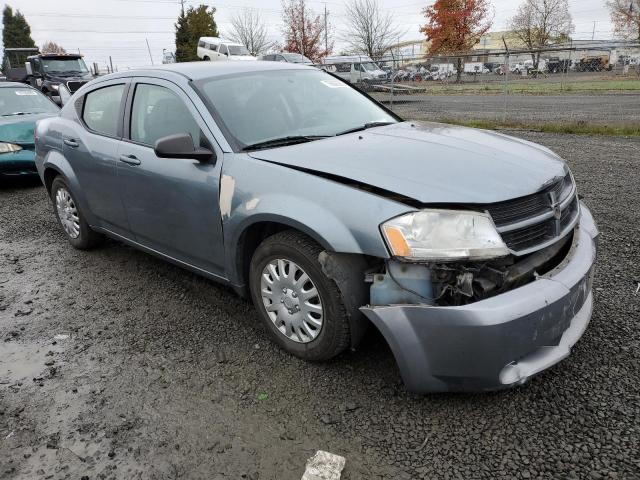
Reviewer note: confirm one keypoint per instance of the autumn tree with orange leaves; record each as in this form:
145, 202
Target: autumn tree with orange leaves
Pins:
455, 26
303, 30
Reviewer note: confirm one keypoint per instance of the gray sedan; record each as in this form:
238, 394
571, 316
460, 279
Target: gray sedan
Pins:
468, 250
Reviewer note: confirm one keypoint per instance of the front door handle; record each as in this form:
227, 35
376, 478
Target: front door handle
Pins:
71, 142
129, 159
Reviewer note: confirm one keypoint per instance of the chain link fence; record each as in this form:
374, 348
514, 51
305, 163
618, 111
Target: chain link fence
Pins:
596, 87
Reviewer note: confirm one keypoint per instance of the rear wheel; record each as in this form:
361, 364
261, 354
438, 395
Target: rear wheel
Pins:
206, 59
299, 305
70, 217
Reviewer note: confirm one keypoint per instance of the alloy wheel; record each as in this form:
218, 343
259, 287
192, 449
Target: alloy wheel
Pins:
67, 213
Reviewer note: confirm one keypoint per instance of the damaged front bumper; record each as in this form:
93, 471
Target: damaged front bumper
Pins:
498, 342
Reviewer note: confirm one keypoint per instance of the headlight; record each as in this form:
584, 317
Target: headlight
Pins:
9, 147
55, 86
441, 235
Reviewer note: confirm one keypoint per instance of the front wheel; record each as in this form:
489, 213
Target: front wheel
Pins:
299, 305
70, 217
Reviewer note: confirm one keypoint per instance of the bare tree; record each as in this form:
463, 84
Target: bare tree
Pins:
52, 47
369, 30
625, 15
247, 28
539, 23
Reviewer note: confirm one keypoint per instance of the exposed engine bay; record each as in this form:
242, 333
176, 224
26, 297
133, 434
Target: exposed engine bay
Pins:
461, 283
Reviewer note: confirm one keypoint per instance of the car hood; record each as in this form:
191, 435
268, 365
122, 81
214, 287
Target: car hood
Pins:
70, 78
429, 162
19, 129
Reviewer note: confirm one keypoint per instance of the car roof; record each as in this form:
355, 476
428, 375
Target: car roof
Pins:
218, 40
15, 85
200, 70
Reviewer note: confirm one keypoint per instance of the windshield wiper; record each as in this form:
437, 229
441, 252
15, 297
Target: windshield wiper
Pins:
366, 126
284, 141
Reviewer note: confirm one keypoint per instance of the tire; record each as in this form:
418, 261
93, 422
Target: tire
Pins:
206, 59
79, 234
333, 335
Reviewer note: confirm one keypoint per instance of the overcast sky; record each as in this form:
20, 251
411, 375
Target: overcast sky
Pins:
100, 28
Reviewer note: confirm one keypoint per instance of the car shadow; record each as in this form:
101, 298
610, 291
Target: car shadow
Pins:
11, 182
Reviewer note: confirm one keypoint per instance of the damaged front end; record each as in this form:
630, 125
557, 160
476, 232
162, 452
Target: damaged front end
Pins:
485, 250
486, 323
461, 283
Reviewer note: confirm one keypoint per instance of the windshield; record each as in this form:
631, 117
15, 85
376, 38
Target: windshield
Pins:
24, 101
370, 66
64, 65
262, 106
238, 50
296, 58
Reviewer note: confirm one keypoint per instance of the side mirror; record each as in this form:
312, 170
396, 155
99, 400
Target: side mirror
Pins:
27, 67
64, 94
181, 145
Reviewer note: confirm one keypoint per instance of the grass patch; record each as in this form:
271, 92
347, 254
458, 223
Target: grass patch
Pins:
535, 87
580, 128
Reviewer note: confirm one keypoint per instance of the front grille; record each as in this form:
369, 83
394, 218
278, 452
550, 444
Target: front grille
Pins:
538, 203
531, 222
74, 86
528, 237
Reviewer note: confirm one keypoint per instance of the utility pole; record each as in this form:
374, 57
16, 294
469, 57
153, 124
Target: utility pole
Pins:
326, 33
148, 48
593, 35
111, 63
506, 79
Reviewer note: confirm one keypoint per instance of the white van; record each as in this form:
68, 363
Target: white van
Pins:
215, 49
355, 68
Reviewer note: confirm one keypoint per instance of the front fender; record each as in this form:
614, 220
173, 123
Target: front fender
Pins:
339, 217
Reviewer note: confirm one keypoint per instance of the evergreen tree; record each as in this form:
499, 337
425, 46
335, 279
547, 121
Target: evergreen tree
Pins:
16, 32
191, 25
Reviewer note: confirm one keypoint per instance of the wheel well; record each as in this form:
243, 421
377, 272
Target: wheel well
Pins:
253, 236
49, 175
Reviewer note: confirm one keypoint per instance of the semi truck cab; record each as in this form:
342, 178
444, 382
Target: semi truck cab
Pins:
47, 71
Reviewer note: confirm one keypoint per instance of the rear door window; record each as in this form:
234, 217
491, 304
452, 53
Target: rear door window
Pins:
101, 111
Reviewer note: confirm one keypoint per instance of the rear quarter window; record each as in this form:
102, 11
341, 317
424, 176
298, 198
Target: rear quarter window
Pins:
101, 111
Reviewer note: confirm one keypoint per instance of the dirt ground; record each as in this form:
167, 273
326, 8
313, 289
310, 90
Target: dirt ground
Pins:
116, 365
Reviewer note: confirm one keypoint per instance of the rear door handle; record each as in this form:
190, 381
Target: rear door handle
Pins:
71, 142
129, 159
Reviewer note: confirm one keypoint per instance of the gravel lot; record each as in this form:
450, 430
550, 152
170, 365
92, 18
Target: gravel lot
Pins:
166, 375
601, 109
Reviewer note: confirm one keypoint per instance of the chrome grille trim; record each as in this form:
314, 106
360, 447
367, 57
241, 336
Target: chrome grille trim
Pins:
539, 218
533, 222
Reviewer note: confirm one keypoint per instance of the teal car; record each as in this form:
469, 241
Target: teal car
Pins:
21, 106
